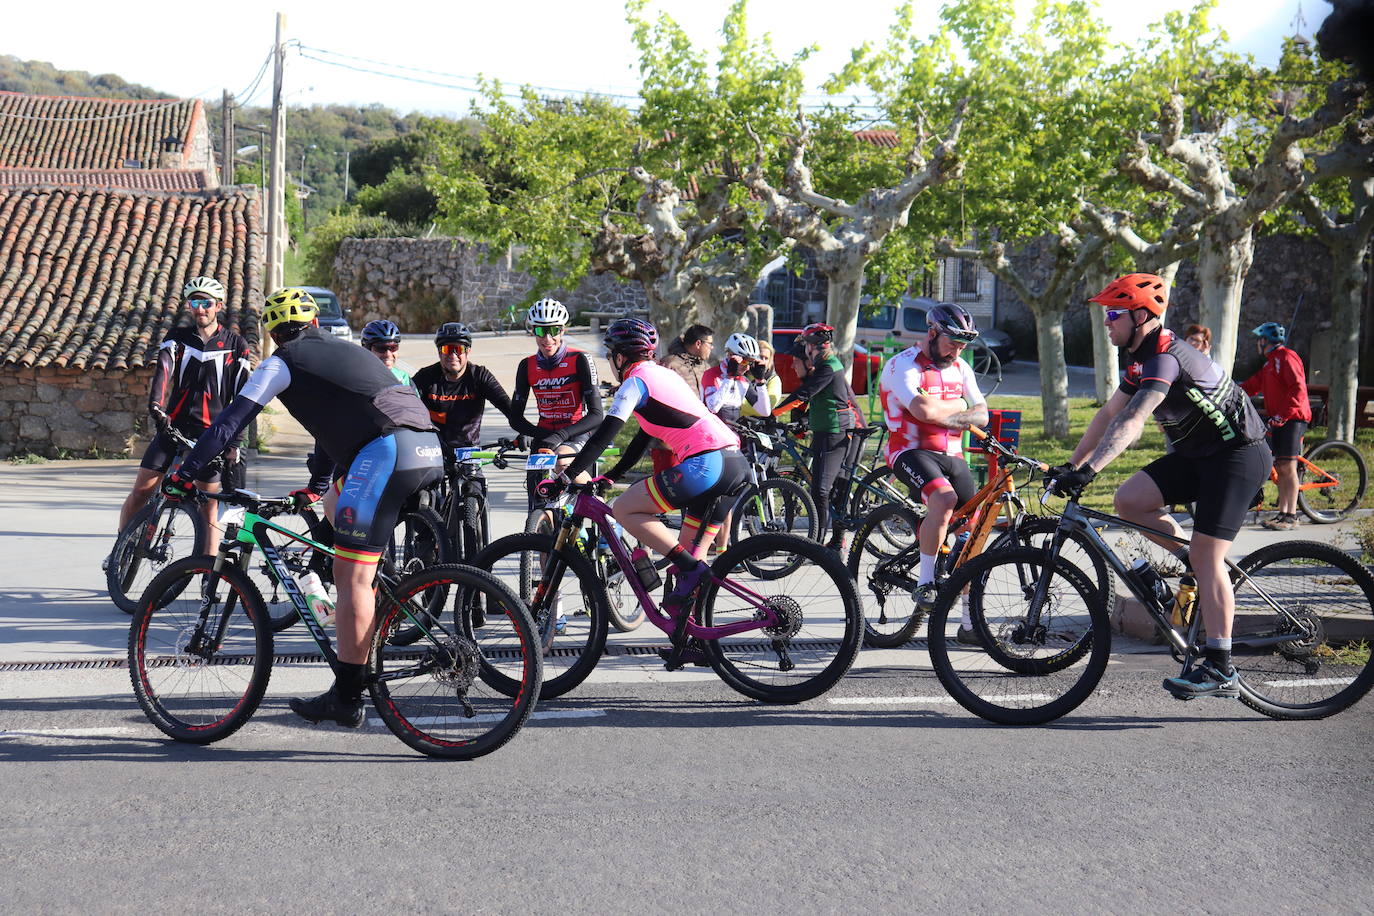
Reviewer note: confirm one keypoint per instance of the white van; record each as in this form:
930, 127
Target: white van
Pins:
905, 323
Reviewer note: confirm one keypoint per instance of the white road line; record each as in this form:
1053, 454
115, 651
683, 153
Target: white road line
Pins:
459, 720
97, 732
923, 701
1317, 682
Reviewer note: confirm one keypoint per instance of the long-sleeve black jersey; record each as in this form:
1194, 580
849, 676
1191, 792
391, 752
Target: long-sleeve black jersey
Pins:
195, 379
456, 406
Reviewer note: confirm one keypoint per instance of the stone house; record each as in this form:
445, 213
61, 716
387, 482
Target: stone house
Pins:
94, 251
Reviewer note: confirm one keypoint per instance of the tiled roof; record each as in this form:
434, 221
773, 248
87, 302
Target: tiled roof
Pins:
884, 138
67, 132
133, 179
91, 279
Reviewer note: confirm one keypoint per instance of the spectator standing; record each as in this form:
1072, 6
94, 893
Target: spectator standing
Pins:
1282, 380
1199, 336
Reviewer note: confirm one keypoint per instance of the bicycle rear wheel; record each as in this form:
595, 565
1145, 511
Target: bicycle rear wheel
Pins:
438, 696
158, 535
1311, 658
883, 563
1341, 478
570, 610
818, 636
194, 682
1021, 671
876, 488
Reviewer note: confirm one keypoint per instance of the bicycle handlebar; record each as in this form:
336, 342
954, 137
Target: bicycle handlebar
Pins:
1003, 451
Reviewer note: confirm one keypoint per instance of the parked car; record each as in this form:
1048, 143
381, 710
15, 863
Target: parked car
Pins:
332, 315
906, 323
784, 339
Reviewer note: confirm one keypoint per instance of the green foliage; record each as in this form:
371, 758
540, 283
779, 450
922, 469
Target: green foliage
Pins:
404, 197
41, 78
323, 244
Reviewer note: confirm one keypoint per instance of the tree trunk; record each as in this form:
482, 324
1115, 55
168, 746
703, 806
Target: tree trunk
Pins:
1222, 266
842, 307
1347, 294
1054, 374
1105, 364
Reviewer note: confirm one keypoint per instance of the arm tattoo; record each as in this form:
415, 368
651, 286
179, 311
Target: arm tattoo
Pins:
974, 416
1125, 427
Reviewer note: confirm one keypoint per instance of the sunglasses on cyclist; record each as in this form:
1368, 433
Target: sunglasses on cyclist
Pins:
961, 337
384, 347
547, 331
201, 303
453, 349
1113, 314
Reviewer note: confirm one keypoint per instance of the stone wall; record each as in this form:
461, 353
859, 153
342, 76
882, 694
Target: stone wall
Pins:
1286, 268
50, 411
421, 283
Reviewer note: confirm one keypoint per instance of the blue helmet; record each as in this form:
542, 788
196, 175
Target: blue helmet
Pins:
1271, 331
380, 331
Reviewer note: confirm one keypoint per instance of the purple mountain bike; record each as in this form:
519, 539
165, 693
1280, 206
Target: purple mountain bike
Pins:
779, 620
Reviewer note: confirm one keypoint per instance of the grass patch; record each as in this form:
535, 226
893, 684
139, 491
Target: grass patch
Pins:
1354, 654
27, 458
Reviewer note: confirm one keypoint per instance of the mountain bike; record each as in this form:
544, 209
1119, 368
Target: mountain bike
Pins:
776, 638
161, 532
200, 646
1331, 481
768, 503
1301, 639
885, 556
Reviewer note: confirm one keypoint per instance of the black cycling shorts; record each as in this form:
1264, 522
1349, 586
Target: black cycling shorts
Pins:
162, 451
1286, 441
1222, 486
923, 471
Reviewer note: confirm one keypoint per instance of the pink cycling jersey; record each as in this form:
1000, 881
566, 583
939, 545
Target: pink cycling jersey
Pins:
908, 374
668, 408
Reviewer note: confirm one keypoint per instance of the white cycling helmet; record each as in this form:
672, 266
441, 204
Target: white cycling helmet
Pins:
743, 345
206, 286
547, 313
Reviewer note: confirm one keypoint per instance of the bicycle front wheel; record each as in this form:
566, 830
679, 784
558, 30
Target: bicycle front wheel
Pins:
438, 695
1020, 665
1335, 485
820, 624
1038, 531
419, 542
883, 561
876, 488
1309, 657
158, 535
567, 602
200, 676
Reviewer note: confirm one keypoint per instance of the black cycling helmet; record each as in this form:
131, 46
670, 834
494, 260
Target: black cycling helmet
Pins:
631, 337
453, 332
380, 331
954, 321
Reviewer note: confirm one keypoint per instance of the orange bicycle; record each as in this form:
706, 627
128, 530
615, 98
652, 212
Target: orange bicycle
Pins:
1331, 481
885, 554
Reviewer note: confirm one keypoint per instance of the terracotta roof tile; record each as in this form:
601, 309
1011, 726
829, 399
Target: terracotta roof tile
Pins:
133, 179
68, 132
91, 279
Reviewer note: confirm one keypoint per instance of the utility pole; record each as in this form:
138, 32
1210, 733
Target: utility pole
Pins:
226, 117
276, 209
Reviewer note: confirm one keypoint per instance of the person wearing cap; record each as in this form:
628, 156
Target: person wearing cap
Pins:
1282, 380
1219, 459
201, 365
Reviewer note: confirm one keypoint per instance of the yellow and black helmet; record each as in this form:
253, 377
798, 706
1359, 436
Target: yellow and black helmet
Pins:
288, 305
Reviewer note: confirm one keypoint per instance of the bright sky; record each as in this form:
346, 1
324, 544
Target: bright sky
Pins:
573, 45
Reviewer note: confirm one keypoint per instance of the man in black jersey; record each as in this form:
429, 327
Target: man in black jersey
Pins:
363, 421
1219, 458
200, 367
456, 391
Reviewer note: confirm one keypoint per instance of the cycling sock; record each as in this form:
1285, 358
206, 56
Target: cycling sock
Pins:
348, 681
965, 621
927, 570
1218, 652
682, 558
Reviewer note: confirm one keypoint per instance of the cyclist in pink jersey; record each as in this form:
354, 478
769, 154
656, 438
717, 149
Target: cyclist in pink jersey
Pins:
707, 461
930, 397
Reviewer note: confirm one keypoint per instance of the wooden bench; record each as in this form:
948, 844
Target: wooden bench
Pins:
597, 317
1364, 416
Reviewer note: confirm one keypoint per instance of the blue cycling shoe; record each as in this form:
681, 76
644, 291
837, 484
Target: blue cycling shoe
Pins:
1205, 680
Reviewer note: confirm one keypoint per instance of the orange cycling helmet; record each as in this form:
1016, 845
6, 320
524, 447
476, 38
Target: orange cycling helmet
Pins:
1135, 291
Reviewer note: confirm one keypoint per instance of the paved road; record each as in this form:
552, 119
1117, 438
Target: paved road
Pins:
643, 789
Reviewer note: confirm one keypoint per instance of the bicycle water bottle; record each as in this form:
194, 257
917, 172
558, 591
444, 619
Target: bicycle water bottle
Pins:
1154, 583
644, 568
316, 597
1183, 601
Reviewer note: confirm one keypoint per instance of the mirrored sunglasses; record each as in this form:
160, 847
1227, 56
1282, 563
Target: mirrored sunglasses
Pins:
960, 337
1113, 314
384, 347
547, 331
201, 303
453, 349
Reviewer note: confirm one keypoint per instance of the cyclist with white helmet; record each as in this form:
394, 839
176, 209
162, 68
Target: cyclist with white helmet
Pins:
364, 423
563, 382
383, 338
728, 386
201, 365
930, 396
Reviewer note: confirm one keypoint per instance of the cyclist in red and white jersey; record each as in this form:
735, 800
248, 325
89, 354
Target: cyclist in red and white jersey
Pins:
563, 382
930, 396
